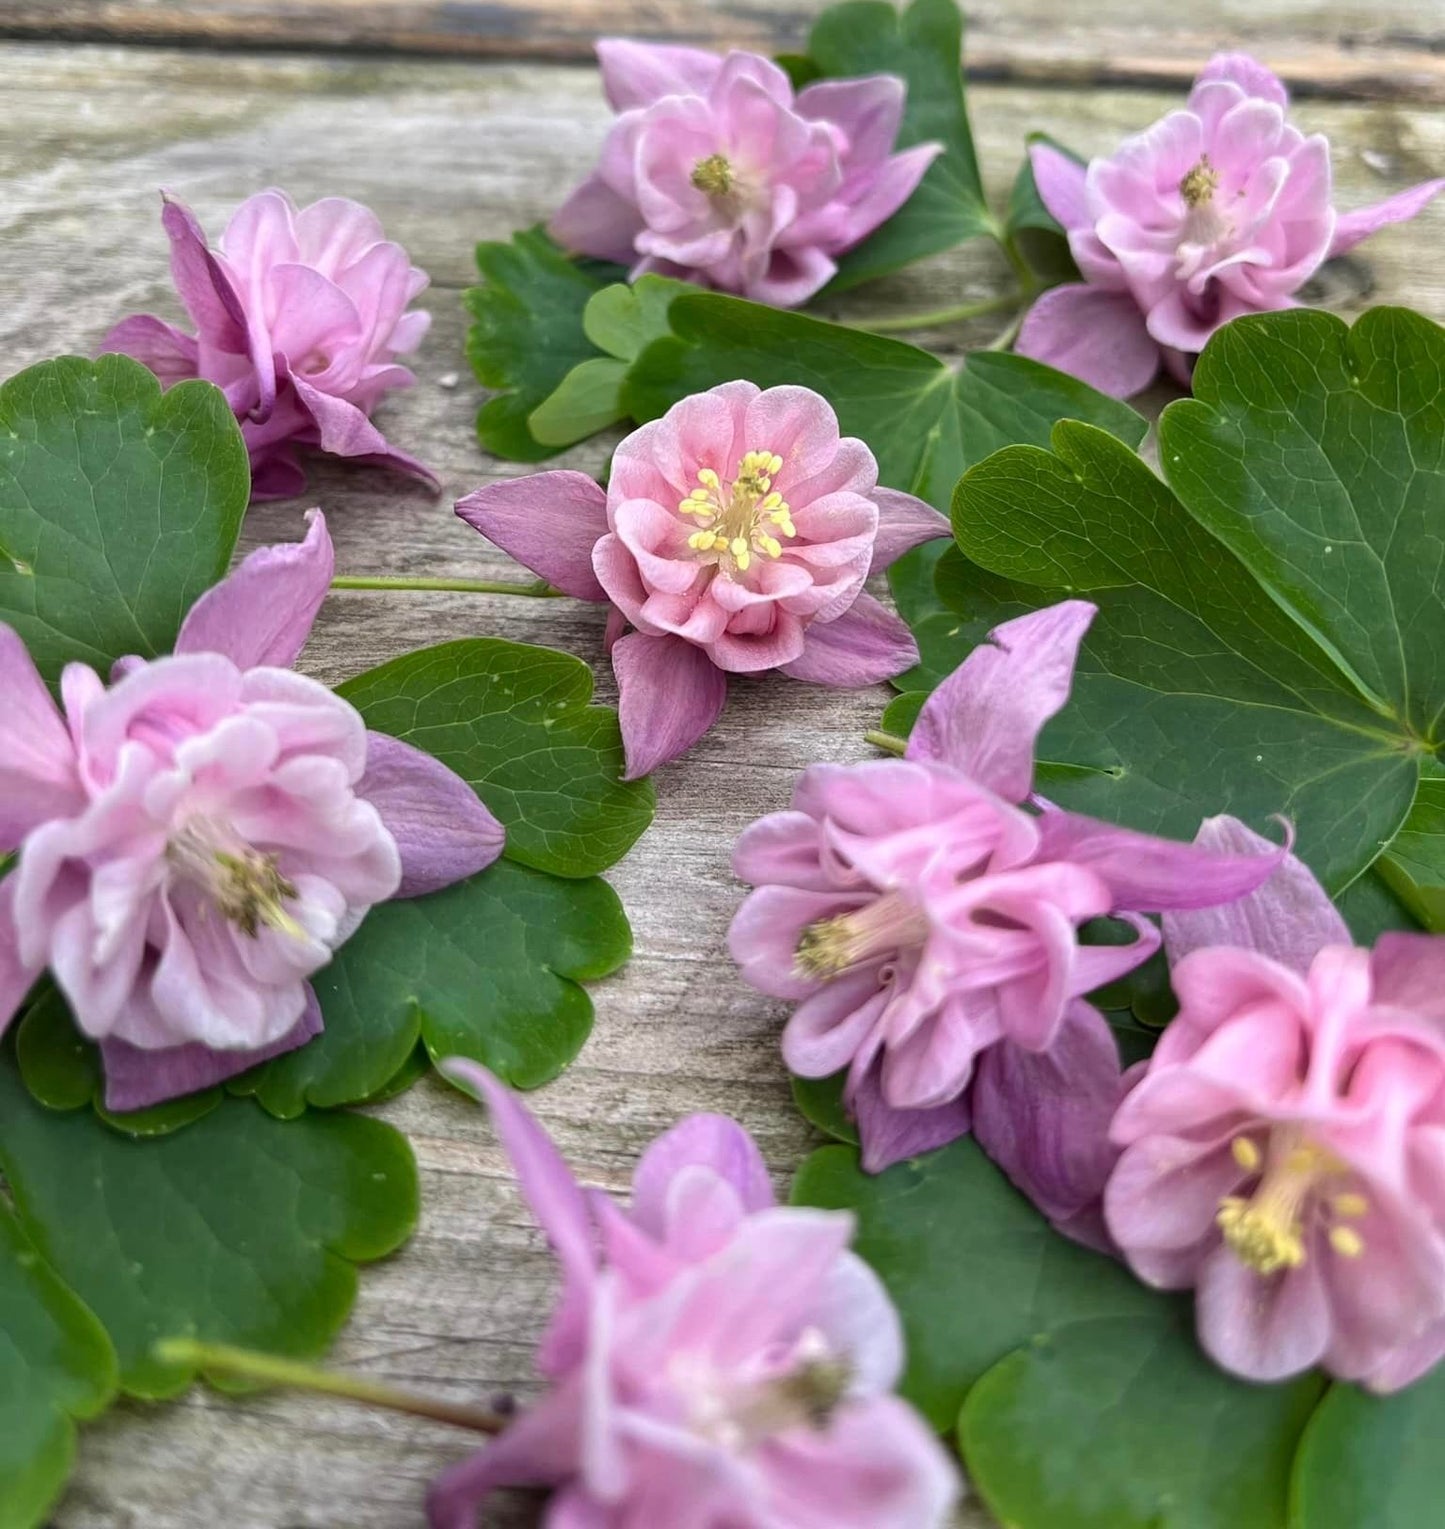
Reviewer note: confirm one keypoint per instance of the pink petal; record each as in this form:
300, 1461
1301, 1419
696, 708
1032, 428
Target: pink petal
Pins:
1163, 1198
443, 831
261, 614
782, 849
873, 198
38, 778
639, 73
1252, 77
869, 111
890, 1135
594, 220
16, 978
1060, 182
169, 353
701, 1142
549, 522
985, 718
1288, 918
1264, 1329
202, 283
1152, 875
669, 694
345, 431
136, 1078
903, 524
1352, 227
1409, 972
864, 645
1099, 337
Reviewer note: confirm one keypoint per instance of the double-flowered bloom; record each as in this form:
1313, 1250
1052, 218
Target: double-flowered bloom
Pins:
927, 924
734, 536
196, 839
717, 173
716, 1359
1221, 209
1284, 1147
300, 316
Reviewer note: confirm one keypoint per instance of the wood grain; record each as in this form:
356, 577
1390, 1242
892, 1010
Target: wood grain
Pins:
448, 153
1395, 50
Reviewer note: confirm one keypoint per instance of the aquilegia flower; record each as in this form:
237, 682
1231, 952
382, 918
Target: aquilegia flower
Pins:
920, 916
195, 841
716, 1360
716, 173
1221, 209
300, 316
734, 536
1284, 1147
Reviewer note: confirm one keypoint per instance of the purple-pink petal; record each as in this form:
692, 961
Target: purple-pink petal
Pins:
262, 613
863, 646
1352, 227
1095, 335
165, 350
38, 778
904, 522
638, 73
713, 1143
890, 1135
1060, 180
550, 522
669, 694
17, 976
443, 831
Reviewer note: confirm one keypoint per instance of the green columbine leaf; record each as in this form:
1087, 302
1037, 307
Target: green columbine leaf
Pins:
527, 334
1372, 1462
1033, 228
241, 1229
1122, 1423
119, 505
1414, 868
515, 722
924, 45
57, 1368
820, 1102
487, 969
974, 1270
924, 422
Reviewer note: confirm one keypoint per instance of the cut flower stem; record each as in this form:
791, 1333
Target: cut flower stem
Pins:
538, 589
269, 1369
890, 743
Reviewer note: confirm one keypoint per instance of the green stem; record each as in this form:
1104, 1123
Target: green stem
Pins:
537, 589
897, 322
274, 1371
1004, 339
890, 743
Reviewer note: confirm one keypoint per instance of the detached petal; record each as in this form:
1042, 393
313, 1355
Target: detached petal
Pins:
863, 646
669, 694
1098, 337
1289, 917
1352, 227
38, 778
985, 718
442, 829
904, 523
1060, 181
549, 522
261, 614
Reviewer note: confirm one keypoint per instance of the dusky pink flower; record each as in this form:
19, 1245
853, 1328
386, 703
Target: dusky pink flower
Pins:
716, 173
734, 536
1220, 209
717, 1361
1284, 1147
196, 840
300, 316
919, 915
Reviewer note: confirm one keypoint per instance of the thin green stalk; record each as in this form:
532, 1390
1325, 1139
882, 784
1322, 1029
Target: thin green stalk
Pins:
897, 322
270, 1370
890, 743
538, 589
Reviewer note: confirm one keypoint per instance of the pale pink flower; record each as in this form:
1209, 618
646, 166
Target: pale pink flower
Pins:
1221, 209
715, 172
717, 1361
734, 536
1284, 1147
920, 916
195, 841
300, 316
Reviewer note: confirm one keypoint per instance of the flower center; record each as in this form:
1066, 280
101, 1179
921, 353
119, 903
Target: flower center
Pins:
738, 519
805, 1394
1266, 1230
891, 922
244, 884
1204, 224
1200, 184
714, 175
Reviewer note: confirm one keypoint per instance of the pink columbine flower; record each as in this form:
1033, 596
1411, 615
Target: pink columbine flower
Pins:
1284, 1147
734, 536
716, 1359
921, 918
300, 316
1220, 209
196, 840
716, 173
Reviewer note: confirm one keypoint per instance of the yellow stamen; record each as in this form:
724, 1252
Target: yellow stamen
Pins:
739, 519
1351, 1205
1346, 1241
890, 923
1246, 1154
713, 175
1266, 1231
1200, 184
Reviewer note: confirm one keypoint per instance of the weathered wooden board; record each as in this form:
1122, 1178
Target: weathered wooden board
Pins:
1391, 49
447, 154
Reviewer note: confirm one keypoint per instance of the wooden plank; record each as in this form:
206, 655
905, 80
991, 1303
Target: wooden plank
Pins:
447, 154
1395, 51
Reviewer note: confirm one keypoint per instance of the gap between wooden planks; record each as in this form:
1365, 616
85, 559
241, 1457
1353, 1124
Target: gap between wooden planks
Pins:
1386, 50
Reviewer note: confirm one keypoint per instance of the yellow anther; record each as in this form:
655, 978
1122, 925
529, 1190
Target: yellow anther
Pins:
714, 175
743, 559
775, 463
739, 547
1200, 184
770, 545
1351, 1205
700, 541
1246, 1154
709, 478
1346, 1241
772, 501
719, 544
